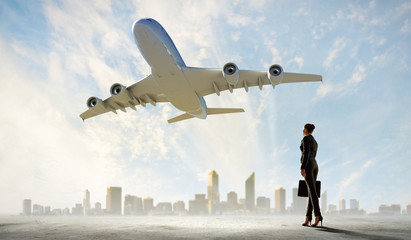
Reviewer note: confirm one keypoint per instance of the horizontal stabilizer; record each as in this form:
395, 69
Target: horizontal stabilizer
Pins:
211, 111
180, 118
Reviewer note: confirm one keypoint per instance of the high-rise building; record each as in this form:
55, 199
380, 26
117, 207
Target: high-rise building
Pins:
392, 209
250, 193
86, 203
179, 207
332, 208
97, 208
408, 209
47, 210
38, 209
280, 200
213, 195
164, 207
148, 204
263, 203
342, 206
299, 204
198, 206
114, 200
354, 204
27, 207
324, 201
77, 210
133, 205
232, 201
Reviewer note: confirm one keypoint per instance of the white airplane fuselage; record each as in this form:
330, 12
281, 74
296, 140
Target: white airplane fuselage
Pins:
161, 54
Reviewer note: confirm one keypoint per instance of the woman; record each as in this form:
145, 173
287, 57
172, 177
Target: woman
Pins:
309, 170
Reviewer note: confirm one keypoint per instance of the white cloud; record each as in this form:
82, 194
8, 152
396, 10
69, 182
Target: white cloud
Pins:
338, 46
406, 27
358, 75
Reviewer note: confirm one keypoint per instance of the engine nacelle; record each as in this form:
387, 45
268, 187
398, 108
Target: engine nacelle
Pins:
120, 93
96, 104
275, 74
231, 73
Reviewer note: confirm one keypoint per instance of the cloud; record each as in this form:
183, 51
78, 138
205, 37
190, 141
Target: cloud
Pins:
406, 27
338, 46
358, 75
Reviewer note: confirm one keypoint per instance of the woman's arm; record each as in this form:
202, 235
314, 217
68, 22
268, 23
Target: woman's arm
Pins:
305, 153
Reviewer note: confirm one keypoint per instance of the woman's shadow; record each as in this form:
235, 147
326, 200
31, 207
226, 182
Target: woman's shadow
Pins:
356, 234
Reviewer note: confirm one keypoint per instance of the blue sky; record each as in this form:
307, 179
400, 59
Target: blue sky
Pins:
56, 54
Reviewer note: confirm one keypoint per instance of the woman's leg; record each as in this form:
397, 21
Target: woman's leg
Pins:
310, 179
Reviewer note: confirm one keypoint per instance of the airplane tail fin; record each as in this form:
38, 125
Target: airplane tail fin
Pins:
210, 111
180, 118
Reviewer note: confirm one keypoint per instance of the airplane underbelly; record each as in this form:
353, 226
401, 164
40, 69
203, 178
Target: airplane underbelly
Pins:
177, 90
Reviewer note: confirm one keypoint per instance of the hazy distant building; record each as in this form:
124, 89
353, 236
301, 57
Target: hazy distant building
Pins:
77, 210
47, 210
66, 211
179, 207
408, 209
97, 208
232, 201
164, 208
86, 203
148, 204
324, 201
393, 209
56, 212
280, 200
213, 195
342, 206
198, 206
263, 205
332, 207
38, 210
113, 200
299, 204
354, 204
250, 192
133, 205
27, 207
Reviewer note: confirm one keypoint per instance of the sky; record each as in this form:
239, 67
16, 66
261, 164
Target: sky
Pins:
56, 54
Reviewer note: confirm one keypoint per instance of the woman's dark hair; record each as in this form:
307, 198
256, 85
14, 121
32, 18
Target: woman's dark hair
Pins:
310, 127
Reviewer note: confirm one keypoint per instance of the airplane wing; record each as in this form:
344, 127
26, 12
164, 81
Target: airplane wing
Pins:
208, 81
140, 93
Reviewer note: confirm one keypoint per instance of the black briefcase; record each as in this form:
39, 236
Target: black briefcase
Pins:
303, 191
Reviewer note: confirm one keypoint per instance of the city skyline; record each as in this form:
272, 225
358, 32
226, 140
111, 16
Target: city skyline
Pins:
134, 205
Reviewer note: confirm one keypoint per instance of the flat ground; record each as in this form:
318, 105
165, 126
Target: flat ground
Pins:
216, 227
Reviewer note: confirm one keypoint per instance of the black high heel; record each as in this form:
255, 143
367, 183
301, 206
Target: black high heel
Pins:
320, 219
307, 221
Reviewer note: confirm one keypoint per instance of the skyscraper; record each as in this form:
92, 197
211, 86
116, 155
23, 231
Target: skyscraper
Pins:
232, 201
250, 192
27, 207
324, 201
213, 195
280, 200
148, 204
133, 205
86, 202
354, 204
114, 200
342, 206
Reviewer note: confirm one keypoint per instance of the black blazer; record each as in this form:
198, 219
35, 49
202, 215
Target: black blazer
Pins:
308, 149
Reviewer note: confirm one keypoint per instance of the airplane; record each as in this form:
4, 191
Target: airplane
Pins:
184, 87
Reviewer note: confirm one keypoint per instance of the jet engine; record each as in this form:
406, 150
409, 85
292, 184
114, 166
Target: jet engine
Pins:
231, 73
275, 74
96, 104
120, 93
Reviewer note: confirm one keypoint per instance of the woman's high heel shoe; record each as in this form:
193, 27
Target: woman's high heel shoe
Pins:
320, 219
307, 221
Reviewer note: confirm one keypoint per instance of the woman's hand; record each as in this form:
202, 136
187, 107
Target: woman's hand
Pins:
303, 173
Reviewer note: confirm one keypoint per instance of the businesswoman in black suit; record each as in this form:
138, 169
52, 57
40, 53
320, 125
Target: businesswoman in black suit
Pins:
309, 170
